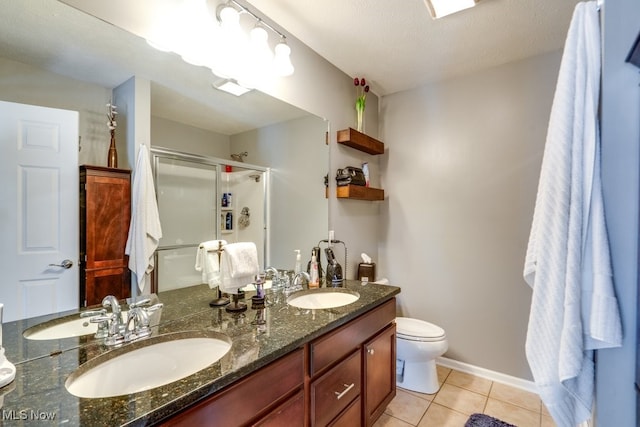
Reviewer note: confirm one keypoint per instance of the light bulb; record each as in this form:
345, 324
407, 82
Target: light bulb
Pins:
229, 17
282, 61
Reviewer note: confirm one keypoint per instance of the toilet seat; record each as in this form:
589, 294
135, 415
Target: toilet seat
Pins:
418, 330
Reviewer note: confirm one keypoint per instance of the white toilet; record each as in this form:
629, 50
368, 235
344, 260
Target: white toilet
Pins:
418, 343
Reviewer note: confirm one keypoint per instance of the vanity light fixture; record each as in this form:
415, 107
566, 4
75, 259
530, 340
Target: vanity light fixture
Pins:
440, 8
213, 36
252, 59
230, 86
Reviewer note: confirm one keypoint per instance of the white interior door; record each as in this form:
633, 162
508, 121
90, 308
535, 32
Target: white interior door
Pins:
38, 210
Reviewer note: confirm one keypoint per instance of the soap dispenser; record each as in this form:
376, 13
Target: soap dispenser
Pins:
7, 370
296, 269
315, 252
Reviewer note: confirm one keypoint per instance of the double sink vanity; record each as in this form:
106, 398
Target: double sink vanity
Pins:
326, 357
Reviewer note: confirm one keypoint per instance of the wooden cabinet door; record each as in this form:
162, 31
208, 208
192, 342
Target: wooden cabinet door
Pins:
105, 212
106, 281
380, 373
108, 201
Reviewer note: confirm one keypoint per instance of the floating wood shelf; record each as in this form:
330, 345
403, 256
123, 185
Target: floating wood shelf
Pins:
359, 192
358, 140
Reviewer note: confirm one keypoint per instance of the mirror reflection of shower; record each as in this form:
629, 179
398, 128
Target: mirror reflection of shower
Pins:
203, 198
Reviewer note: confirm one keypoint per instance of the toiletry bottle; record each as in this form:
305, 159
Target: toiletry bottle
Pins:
314, 282
229, 221
316, 252
334, 269
296, 269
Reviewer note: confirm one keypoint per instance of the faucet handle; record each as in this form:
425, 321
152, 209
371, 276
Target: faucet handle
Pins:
154, 307
108, 328
140, 318
101, 319
91, 313
140, 303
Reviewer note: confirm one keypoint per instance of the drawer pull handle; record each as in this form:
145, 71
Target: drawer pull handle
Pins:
348, 387
371, 351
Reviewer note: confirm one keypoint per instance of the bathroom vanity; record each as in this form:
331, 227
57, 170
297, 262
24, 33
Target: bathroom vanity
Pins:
308, 367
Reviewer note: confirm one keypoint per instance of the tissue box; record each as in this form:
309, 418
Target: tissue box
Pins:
367, 272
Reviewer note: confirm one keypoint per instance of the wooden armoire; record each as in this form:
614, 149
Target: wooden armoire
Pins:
105, 211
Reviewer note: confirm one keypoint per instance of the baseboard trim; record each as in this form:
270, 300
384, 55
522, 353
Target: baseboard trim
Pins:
488, 374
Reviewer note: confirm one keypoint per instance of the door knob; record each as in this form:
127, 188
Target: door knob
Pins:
67, 264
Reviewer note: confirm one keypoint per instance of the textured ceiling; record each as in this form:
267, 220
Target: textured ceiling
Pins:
394, 44
52, 36
397, 46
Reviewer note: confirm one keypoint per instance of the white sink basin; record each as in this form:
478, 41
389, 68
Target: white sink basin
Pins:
70, 326
322, 298
147, 364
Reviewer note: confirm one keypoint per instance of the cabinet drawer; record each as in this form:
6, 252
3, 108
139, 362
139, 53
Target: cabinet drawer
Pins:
249, 398
290, 413
335, 390
350, 417
332, 347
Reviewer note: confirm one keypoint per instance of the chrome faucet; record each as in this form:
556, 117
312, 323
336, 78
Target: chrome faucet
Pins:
111, 301
111, 326
108, 329
275, 276
296, 284
103, 324
138, 317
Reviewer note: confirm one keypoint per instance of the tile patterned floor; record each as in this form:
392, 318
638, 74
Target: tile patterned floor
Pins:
461, 395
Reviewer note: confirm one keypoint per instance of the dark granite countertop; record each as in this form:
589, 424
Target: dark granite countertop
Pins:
38, 395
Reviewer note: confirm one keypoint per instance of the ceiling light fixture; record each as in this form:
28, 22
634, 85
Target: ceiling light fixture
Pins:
212, 36
230, 86
440, 8
257, 59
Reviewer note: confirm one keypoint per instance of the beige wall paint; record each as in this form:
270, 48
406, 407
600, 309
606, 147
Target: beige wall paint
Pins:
296, 152
461, 174
188, 139
30, 85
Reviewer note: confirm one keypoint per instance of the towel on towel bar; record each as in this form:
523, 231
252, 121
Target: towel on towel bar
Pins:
238, 266
144, 230
207, 262
573, 309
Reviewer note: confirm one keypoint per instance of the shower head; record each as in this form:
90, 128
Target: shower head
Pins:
239, 157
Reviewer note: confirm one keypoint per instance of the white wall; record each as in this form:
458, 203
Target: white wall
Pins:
461, 172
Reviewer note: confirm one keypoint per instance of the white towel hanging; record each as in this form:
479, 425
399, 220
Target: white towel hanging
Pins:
573, 308
145, 230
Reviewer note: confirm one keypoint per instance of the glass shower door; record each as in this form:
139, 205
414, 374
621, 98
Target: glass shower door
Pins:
187, 202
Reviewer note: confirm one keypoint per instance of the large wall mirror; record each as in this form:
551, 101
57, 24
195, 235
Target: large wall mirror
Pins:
54, 54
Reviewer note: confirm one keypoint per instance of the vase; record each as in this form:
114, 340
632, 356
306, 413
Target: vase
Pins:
112, 159
359, 117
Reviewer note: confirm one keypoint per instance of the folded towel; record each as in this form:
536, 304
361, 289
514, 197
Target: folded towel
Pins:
238, 266
207, 262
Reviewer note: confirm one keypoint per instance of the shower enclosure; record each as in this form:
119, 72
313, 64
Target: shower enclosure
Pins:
204, 198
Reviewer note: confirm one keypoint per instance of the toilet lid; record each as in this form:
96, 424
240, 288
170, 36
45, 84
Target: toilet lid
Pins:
418, 330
